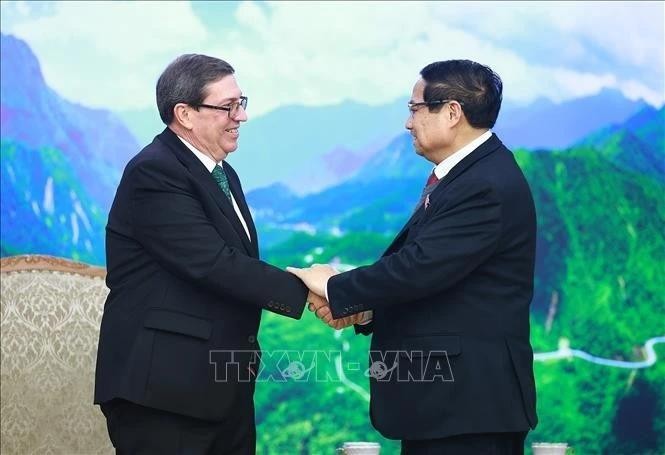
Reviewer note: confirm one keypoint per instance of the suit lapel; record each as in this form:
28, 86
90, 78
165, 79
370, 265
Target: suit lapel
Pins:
201, 175
405, 229
236, 189
485, 149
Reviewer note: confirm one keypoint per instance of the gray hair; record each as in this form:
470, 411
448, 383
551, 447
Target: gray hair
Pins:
184, 81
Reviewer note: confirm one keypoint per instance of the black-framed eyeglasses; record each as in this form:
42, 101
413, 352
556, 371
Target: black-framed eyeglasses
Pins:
231, 108
413, 107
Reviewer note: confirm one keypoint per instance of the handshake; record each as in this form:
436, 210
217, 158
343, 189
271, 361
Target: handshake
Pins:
316, 279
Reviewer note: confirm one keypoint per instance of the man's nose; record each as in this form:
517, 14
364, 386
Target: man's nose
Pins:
241, 115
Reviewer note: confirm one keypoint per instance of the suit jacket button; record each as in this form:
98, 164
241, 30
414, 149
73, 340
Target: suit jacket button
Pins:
251, 338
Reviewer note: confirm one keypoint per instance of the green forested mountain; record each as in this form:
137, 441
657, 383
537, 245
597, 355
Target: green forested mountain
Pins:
599, 288
45, 205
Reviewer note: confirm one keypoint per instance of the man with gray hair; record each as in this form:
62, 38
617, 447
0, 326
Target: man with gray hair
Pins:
178, 354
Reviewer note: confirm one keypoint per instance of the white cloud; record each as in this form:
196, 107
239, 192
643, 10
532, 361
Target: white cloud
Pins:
22, 8
578, 84
110, 54
629, 31
15, 10
322, 53
373, 54
635, 90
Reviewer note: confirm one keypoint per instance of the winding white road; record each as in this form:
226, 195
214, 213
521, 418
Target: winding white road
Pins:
567, 353
560, 354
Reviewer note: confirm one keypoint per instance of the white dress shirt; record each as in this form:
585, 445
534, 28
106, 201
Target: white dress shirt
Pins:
444, 167
210, 164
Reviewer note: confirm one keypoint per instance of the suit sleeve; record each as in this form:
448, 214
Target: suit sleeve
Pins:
461, 233
170, 223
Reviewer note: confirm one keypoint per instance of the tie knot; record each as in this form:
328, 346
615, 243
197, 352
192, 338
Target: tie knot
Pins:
218, 172
432, 179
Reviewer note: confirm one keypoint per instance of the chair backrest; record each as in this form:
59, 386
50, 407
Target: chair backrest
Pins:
51, 309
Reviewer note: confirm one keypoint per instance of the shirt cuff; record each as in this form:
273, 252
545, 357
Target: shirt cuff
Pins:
367, 317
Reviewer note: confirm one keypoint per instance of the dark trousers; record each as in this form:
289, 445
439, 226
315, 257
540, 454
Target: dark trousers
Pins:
138, 430
469, 444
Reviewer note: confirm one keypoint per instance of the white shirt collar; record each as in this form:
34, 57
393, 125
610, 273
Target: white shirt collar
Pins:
442, 169
208, 162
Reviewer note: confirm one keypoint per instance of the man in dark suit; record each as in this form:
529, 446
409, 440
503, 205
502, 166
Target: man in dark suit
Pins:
448, 302
177, 353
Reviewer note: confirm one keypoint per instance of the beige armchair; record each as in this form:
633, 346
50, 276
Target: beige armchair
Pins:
50, 314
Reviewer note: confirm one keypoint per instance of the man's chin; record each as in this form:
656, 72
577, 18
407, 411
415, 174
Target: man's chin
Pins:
230, 149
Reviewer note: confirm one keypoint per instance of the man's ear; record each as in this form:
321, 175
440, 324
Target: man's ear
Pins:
455, 112
182, 115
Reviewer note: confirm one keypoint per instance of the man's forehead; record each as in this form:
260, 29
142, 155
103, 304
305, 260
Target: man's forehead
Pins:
225, 88
418, 90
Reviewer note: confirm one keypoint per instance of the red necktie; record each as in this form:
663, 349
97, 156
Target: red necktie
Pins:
432, 179
424, 197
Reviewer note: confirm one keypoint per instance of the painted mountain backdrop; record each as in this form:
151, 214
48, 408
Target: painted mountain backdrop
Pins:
287, 144
61, 163
334, 184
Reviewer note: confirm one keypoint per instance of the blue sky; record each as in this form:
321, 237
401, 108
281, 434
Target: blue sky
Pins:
109, 54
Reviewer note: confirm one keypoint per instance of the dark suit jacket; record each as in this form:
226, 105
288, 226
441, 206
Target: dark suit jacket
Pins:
458, 281
185, 283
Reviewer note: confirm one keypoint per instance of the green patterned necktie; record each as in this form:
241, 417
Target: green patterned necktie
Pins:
222, 181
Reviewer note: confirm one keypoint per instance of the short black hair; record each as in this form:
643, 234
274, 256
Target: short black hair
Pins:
477, 88
184, 81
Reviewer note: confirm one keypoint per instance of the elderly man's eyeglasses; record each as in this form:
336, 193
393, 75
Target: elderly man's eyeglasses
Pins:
413, 107
231, 108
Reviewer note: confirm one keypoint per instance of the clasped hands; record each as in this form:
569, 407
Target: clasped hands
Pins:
316, 279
